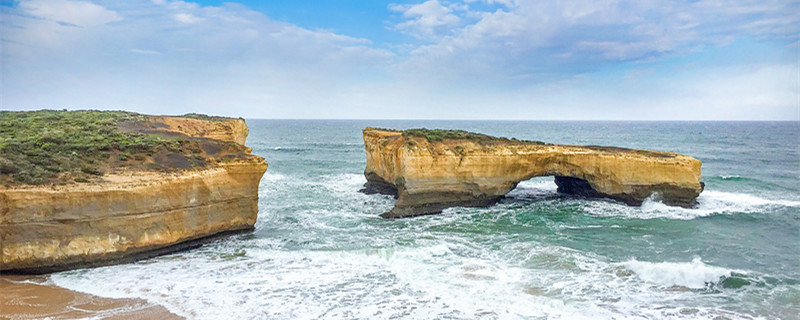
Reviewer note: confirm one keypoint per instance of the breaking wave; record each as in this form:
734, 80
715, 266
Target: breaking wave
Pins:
709, 203
693, 275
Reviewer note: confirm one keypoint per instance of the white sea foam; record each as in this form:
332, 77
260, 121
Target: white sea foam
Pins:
740, 201
410, 283
431, 281
344, 183
344, 188
693, 275
272, 177
535, 187
710, 202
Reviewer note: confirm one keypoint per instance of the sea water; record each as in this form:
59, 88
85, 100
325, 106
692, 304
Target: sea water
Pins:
320, 251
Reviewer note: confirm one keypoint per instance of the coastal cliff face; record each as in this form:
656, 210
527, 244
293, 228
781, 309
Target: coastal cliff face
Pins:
427, 176
217, 128
129, 214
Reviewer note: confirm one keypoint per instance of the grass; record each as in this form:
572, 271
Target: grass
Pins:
56, 147
440, 135
202, 117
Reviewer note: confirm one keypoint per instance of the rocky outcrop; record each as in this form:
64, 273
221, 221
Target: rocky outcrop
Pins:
130, 214
428, 175
217, 128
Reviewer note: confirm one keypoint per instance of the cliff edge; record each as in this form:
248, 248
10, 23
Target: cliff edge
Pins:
430, 170
89, 188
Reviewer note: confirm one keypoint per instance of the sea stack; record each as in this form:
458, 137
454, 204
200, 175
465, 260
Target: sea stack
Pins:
430, 170
90, 188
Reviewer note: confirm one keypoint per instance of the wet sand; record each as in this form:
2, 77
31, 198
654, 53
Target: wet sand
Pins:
31, 297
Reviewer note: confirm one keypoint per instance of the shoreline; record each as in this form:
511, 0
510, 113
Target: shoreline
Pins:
34, 297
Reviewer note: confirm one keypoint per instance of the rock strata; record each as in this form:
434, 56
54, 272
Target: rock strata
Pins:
131, 214
430, 173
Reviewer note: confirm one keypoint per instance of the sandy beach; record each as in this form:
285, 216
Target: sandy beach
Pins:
31, 297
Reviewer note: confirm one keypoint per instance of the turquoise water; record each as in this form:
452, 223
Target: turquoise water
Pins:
320, 251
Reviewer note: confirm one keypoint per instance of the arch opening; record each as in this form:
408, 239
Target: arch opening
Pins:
536, 188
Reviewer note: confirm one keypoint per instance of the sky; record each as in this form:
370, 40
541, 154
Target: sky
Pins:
408, 59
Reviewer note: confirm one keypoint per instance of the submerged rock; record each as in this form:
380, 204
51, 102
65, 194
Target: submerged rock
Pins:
430, 170
202, 183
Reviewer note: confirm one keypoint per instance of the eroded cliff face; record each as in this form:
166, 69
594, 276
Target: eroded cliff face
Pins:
129, 214
428, 176
223, 129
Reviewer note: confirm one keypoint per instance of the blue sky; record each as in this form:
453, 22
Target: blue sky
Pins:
434, 59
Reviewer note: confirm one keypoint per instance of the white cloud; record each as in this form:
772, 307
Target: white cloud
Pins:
229, 60
79, 13
186, 18
515, 59
528, 37
148, 52
429, 19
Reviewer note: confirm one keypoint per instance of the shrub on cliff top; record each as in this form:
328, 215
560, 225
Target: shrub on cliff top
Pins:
37, 146
439, 135
202, 117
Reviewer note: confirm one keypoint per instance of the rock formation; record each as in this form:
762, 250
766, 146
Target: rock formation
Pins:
217, 128
431, 170
129, 214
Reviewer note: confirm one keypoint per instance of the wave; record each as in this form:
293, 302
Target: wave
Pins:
747, 182
327, 202
271, 176
742, 201
712, 202
289, 149
308, 147
437, 279
709, 203
534, 188
692, 275
345, 182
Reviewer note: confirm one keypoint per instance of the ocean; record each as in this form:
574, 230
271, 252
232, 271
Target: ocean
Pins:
320, 251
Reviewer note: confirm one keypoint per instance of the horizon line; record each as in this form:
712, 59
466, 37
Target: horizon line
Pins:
532, 120
423, 119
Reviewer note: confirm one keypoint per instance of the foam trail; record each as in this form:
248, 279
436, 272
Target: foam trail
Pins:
710, 202
741, 200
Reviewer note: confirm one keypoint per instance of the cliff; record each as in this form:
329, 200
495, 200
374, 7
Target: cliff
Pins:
190, 180
431, 170
217, 128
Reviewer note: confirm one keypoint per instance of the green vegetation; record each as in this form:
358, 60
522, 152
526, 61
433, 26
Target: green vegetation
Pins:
56, 147
439, 135
648, 153
202, 117
36, 146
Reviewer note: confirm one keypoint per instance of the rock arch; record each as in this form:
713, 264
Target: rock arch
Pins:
430, 170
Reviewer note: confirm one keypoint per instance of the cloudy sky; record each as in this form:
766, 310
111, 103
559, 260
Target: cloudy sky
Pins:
435, 59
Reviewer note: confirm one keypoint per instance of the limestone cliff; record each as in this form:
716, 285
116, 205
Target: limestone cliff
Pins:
217, 128
130, 213
427, 175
